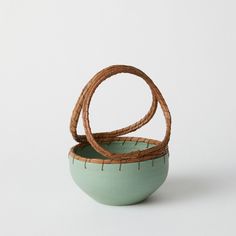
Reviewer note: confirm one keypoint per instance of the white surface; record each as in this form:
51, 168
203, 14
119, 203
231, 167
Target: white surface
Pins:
48, 51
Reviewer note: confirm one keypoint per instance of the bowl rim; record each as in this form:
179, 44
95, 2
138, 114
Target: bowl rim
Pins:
74, 155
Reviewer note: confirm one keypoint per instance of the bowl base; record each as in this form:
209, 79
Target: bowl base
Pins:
122, 203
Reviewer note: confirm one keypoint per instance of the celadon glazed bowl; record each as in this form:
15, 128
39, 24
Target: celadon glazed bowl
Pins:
118, 184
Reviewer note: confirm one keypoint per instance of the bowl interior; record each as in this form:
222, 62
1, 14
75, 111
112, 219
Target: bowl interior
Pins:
115, 146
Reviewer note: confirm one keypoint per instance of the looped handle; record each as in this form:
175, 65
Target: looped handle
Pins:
97, 80
105, 135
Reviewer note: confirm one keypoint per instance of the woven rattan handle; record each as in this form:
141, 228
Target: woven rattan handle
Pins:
105, 135
97, 80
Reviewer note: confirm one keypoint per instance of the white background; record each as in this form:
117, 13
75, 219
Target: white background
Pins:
49, 49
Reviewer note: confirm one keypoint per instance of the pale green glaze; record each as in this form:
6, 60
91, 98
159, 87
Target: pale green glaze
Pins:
113, 184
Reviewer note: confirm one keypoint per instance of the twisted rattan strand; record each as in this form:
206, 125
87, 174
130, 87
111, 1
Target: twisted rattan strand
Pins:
83, 103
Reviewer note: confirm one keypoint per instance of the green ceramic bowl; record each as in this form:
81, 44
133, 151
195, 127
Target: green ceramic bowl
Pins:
118, 184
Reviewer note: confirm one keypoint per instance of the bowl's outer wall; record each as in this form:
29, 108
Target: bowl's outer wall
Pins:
113, 184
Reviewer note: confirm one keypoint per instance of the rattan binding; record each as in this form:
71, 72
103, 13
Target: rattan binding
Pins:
94, 139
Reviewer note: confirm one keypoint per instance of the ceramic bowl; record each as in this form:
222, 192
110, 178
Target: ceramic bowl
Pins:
118, 184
